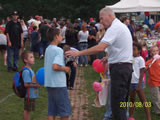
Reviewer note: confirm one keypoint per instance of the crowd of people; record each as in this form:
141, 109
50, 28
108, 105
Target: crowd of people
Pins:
80, 35
64, 45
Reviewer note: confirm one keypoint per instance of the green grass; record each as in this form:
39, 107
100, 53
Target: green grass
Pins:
13, 107
98, 113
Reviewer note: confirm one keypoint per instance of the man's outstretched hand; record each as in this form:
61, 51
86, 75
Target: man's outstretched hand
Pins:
72, 53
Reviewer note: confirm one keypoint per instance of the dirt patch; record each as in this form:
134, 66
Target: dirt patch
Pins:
79, 98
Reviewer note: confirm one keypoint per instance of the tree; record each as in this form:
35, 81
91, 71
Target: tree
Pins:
55, 8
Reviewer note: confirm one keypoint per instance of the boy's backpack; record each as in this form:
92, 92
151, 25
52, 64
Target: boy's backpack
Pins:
18, 84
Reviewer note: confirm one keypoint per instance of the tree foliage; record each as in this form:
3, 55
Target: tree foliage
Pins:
54, 8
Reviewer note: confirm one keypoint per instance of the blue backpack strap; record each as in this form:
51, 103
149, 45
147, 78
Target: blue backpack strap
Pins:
25, 68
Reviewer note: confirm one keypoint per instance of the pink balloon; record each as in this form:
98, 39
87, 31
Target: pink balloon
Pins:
131, 118
98, 66
97, 86
156, 56
95, 63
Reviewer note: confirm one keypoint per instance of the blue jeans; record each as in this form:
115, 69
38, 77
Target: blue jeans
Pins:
43, 46
83, 46
12, 52
133, 86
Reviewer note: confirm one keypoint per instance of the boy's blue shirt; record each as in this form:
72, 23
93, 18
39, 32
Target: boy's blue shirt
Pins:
27, 77
54, 55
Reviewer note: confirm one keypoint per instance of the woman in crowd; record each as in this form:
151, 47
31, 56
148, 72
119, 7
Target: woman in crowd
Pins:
83, 43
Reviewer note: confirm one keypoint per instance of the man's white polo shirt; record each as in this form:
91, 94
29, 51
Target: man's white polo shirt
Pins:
119, 39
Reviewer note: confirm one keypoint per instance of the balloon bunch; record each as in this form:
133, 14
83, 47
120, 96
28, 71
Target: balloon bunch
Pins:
99, 68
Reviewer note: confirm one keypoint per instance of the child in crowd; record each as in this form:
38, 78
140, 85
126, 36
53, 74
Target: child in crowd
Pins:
55, 78
154, 79
3, 45
35, 41
30, 83
72, 63
148, 33
137, 82
140, 34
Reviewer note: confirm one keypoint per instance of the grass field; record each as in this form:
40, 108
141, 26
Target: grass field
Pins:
11, 107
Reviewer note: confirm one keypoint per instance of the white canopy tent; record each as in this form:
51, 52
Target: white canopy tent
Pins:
125, 6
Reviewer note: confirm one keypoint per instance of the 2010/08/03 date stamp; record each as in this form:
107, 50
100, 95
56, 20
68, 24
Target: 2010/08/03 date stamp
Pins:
135, 104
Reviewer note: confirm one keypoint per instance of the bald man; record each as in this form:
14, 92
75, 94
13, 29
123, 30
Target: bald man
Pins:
118, 41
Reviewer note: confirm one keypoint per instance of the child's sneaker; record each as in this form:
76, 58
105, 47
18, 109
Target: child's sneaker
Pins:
81, 65
41, 57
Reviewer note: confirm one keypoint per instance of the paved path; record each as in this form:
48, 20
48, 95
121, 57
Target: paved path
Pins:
79, 98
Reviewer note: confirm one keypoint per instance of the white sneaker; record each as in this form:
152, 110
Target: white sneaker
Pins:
86, 65
81, 65
41, 57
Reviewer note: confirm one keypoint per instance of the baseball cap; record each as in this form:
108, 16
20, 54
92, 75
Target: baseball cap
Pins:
15, 13
79, 19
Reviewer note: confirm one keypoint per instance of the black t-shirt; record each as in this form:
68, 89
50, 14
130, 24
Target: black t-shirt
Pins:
43, 30
14, 29
92, 32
